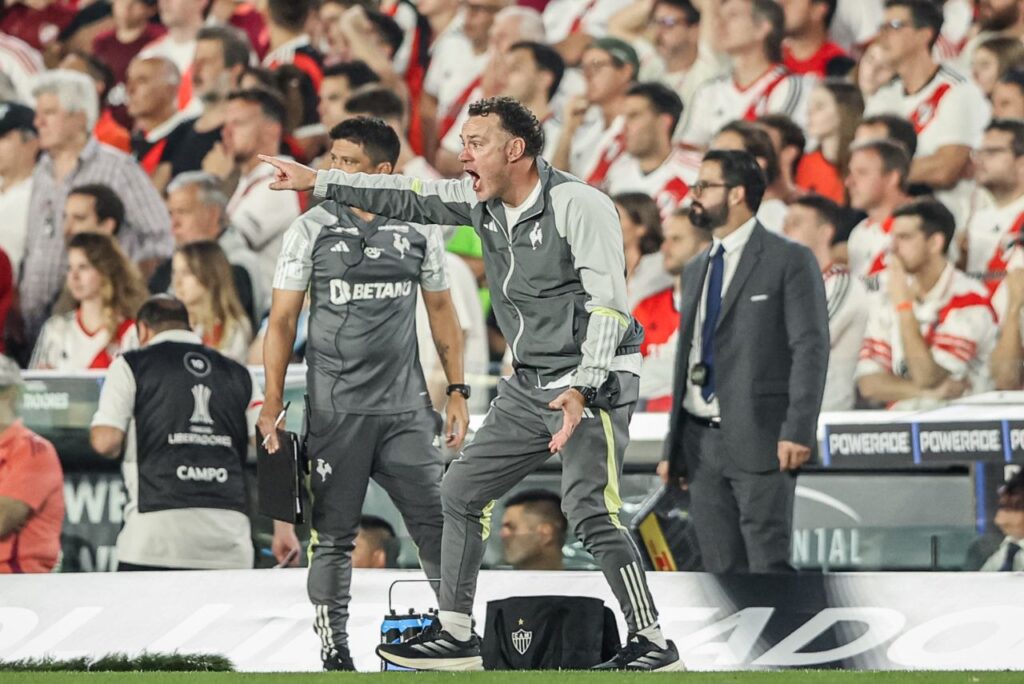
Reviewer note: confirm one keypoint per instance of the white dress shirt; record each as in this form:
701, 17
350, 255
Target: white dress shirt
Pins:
996, 560
734, 243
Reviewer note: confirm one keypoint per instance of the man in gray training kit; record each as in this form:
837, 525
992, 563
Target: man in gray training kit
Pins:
553, 257
370, 414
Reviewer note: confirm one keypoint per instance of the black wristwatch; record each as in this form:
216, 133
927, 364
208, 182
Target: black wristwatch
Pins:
461, 389
589, 393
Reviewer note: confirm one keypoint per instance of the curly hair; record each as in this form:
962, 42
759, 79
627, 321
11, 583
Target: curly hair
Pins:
516, 120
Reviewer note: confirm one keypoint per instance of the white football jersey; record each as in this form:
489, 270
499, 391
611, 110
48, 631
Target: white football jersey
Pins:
957, 323
721, 100
847, 301
992, 240
668, 185
65, 345
868, 247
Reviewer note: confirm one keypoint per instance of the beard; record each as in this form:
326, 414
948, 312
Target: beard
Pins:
1000, 20
708, 218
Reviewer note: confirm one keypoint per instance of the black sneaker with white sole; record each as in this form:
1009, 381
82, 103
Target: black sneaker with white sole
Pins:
435, 649
642, 654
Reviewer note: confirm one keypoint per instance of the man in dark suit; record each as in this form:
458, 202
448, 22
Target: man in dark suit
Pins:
750, 373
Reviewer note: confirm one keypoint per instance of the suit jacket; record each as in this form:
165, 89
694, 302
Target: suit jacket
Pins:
771, 351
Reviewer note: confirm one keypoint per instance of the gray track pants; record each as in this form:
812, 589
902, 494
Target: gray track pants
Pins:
346, 451
512, 442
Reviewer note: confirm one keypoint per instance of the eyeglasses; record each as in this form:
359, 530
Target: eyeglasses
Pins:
699, 187
595, 66
894, 25
667, 22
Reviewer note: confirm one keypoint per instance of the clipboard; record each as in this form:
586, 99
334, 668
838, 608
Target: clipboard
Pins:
279, 479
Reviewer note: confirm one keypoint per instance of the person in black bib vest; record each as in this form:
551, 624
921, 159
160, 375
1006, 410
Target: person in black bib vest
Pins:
183, 416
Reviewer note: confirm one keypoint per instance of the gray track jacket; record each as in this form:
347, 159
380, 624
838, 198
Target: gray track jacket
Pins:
557, 277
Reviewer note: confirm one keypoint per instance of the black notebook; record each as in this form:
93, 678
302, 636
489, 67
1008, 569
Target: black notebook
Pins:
279, 479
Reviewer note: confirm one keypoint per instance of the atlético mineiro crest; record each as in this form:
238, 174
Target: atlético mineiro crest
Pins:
536, 236
521, 640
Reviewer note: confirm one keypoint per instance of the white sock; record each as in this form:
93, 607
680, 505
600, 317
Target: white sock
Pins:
653, 634
459, 625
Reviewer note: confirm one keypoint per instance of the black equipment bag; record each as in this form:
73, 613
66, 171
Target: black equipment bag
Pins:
548, 633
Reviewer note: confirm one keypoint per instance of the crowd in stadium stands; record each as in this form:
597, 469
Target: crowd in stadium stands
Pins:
891, 134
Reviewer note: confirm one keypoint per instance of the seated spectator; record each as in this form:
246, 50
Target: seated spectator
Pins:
339, 82
93, 208
201, 278
887, 127
533, 530
749, 137
1007, 360
751, 33
178, 394
1009, 518
948, 111
931, 338
31, 487
658, 313
813, 221
993, 234
133, 30
1008, 96
877, 183
183, 20
65, 113
290, 44
104, 290
533, 74
152, 103
376, 544
19, 147
993, 58
789, 142
254, 125
592, 123
197, 207
873, 70
221, 57
833, 111
641, 239
807, 48
107, 130
384, 104
652, 165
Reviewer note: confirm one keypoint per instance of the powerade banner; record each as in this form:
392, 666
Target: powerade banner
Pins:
875, 445
261, 619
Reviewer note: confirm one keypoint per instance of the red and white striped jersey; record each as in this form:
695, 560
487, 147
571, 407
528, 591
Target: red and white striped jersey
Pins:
595, 148
992, 236
949, 110
721, 100
65, 345
868, 248
957, 323
20, 62
563, 18
668, 185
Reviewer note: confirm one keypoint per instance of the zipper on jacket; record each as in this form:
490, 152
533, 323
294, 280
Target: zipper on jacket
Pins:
504, 290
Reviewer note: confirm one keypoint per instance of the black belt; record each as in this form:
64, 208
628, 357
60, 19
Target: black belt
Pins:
704, 422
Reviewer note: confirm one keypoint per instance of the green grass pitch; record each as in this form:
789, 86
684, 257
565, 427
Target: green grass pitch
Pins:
787, 677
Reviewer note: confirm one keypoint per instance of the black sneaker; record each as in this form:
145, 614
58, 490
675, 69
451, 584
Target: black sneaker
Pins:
339, 661
640, 653
435, 649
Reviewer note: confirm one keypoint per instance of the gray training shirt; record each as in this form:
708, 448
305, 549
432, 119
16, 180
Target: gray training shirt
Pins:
362, 278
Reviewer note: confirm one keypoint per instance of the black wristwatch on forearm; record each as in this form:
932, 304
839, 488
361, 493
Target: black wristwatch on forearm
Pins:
589, 393
461, 389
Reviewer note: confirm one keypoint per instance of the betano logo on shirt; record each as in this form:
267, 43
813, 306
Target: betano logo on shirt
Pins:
343, 292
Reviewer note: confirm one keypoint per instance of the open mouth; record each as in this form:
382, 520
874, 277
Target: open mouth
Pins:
476, 179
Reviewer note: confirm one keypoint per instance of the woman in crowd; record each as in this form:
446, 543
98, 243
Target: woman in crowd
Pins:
95, 320
641, 239
993, 58
834, 109
201, 278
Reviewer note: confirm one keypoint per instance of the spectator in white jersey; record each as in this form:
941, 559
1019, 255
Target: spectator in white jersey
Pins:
592, 123
641, 239
947, 110
813, 221
652, 164
751, 33
1008, 96
930, 339
533, 73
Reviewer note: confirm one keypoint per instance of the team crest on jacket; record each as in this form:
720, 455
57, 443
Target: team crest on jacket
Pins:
536, 236
323, 469
521, 640
401, 243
